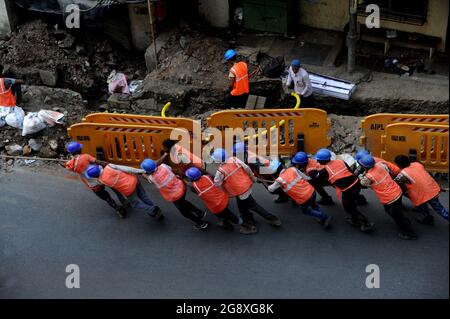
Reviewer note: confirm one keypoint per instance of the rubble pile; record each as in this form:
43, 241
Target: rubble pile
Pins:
45, 55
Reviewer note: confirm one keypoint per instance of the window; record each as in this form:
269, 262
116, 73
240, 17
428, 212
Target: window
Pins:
400, 10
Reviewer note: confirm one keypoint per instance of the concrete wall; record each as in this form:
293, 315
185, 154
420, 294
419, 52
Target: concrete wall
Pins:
333, 15
140, 26
8, 18
215, 12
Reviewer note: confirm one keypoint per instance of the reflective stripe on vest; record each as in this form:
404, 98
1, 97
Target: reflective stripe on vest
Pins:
236, 180
394, 169
240, 85
215, 199
336, 170
383, 185
423, 187
170, 187
295, 184
7, 98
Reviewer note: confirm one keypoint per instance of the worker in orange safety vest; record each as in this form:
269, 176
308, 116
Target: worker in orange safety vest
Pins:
213, 196
79, 163
296, 185
347, 187
239, 81
377, 177
124, 180
179, 158
173, 189
237, 180
421, 189
394, 170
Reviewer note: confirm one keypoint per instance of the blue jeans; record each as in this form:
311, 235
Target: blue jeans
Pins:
437, 207
140, 199
311, 208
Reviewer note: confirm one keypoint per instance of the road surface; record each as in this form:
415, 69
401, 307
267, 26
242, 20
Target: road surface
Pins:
49, 220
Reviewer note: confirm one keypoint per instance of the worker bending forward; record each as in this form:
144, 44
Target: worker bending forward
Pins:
79, 163
213, 196
124, 180
295, 184
347, 186
173, 189
237, 180
421, 189
377, 176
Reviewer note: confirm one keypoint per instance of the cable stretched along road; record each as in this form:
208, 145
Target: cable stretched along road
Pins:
48, 220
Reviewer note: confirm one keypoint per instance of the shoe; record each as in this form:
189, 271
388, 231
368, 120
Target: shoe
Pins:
122, 212
248, 229
202, 214
326, 223
427, 220
325, 201
225, 225
367, 227
201, 226
274, 222
407, 236
280, 199
352, 221
158, 213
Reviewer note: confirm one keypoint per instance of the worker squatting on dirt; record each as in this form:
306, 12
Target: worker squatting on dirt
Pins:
234, 178
239, 81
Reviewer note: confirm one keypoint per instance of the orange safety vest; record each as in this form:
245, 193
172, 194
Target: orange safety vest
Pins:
78, 164
170, 186
236, 180
123, 182
295, 185
241, 84
6, 97
313, 165
385, 188
194, 160
394, 169
215, 198
422, 187
336, 170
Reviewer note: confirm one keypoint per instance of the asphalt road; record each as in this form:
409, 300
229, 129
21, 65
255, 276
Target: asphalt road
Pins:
49, 220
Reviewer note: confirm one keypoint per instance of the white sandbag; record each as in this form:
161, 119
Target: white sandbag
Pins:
15, 118
32, 124
50, 117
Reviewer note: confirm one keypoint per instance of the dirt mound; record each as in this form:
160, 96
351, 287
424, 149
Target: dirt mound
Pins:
78, 60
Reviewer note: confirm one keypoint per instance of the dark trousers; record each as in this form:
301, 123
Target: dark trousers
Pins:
318, 186
308, 101
16, 90
249, 205
227, 216
103, 194
239, 101
311, 208
437, 207
349, 198
188, 210
395, 211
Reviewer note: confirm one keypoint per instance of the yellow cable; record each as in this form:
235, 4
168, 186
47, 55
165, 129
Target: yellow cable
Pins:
164, 109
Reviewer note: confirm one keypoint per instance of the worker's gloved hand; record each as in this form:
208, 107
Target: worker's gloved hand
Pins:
364, 180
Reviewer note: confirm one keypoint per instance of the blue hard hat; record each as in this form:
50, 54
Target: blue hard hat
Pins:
193, 173
239, 148
323, 155
229, 54
360, 154
148, 165
74, 147
93, 171
367, 161
219, 155
300, 158
296, 63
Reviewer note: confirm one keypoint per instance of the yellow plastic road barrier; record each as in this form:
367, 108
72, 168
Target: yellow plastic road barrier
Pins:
374, 127
427, 142
141, 120
119, 143
308, 126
